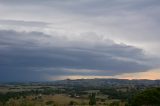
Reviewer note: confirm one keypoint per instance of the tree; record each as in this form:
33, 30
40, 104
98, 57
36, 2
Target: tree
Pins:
50, 103
149, 97
92, 99
114, 104
73, 103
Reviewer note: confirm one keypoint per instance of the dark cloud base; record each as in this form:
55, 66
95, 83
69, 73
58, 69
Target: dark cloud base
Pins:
24, 57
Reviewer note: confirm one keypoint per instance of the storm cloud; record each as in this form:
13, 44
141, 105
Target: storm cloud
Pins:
25, 52
41, 38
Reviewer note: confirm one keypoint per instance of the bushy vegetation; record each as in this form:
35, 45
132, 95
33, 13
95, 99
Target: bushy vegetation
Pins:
92, 98
148, 97
74, 95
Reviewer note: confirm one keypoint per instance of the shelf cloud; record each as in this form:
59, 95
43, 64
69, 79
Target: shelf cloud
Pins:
40, 39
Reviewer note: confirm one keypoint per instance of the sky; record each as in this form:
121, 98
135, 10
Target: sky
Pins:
45, 40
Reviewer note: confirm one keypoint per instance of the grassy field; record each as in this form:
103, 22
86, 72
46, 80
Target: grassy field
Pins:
63, 99
5, 89
59, 98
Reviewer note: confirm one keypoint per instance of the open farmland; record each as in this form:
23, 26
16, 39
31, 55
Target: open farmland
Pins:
74, 92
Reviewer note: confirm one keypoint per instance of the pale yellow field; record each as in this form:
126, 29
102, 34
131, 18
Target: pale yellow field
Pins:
63, 99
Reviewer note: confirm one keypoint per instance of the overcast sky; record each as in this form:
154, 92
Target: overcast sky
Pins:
43, 40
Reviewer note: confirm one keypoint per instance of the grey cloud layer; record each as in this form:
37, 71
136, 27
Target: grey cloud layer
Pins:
129, 21
77, 37
23, 52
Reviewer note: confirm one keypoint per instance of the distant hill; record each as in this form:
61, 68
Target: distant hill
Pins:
143, 83
107, 82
